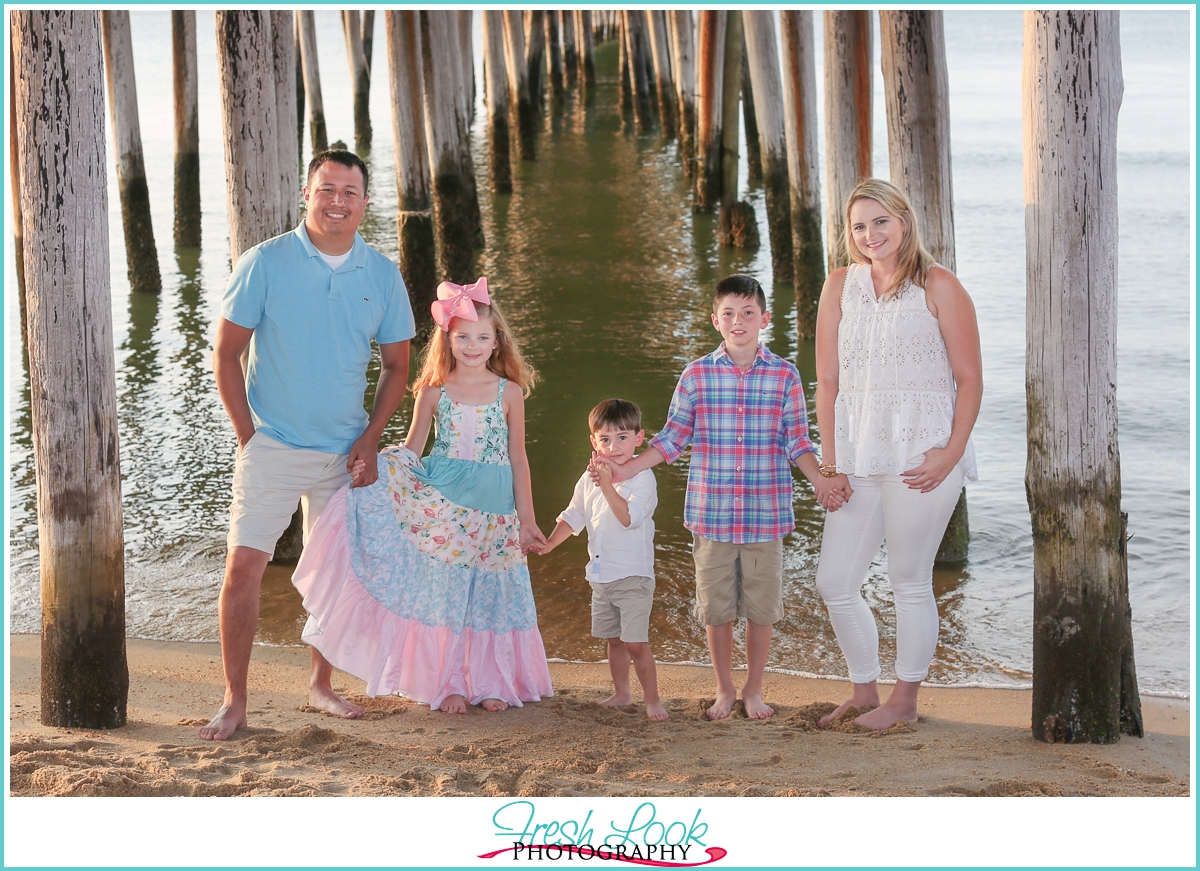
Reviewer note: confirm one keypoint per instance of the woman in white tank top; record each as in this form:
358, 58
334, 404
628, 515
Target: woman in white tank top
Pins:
899, 381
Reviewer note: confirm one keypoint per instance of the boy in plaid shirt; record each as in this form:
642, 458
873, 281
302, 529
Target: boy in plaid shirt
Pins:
741, 408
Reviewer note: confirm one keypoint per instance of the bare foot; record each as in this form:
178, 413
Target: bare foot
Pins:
329, 702
756, 708
655, 710
228, 720
722, 707
618, 700
852, 702
454, 704
493, 705
885, 717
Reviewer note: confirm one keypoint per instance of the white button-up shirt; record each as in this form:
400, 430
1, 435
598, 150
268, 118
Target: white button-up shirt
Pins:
615, 551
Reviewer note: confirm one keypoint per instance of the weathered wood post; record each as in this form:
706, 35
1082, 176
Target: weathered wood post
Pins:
245, 64
312, 81
585, 48
625, 88
497, 99
664, 80
736, 225
554, 48
763, 61
519, 99
710, 83
754, 167
14, 168
368, 36
917, 97
452, 214
72, 380
187, 129
284, 63
683, 56
804, 175
140, 250
414, 216
636, 50
566, 21
466, 57
296, 37
1084, 682
360, 76
535, 54
847, 49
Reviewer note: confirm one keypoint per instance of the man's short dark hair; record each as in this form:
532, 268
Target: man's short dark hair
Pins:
615, 414
347, 159
742, 286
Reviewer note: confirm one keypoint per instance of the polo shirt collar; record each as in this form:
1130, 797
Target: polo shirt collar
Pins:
723, 353
358, 252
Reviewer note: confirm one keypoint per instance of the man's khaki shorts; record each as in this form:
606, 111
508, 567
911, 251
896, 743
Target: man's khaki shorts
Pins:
621, 609
738, 580
269, 478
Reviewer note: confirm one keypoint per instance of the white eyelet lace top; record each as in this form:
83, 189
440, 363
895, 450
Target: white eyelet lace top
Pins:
895, 389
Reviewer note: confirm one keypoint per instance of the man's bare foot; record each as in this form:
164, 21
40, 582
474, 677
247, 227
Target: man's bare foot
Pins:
851, 702
228, 720
756, 708
655, 710
618, 700
329, 702
454, 704
493, 705
885, 717
722, 707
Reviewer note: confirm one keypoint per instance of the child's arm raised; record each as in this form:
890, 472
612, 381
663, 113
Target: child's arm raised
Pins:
514, 413
423, 408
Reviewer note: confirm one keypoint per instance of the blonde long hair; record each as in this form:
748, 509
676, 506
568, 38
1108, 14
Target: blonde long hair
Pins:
913, 262
506, 360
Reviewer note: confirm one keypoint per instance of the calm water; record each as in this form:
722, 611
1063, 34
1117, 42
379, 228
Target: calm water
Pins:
606, 276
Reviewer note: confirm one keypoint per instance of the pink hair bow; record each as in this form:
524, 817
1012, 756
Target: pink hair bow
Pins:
457, 301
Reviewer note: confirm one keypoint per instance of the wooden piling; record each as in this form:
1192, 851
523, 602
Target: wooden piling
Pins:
1084, 681
736, 224
566, 20
140, 251
299, 86
585, 48
625, 86
497, 99
187, 129
554, 49
754, 169
710, 83
312, 81
466, 57
72, 376
414, 215
664, 79
368, 36
637, 50
847, 48
284, 58
804, 177
762, 59
14, 168
360, 77
519, 100
452, 213
683, 57
535, 54
245, 67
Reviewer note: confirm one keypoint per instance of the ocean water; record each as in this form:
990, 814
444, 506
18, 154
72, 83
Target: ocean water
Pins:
606, 274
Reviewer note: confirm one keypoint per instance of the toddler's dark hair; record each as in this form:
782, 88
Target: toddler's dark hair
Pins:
615, 414
740, 285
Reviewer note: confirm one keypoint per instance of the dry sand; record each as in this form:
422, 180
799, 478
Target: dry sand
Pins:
968, 741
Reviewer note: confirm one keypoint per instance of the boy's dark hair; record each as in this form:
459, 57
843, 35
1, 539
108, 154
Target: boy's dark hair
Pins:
615, 414
740, 285
347, 159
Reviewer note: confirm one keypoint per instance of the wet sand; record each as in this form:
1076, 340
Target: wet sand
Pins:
968, 742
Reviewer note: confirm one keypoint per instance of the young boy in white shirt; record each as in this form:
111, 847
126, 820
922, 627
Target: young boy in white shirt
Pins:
619, 519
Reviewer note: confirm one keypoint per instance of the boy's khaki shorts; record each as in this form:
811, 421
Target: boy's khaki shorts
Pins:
269, 478
738, 580
621, 609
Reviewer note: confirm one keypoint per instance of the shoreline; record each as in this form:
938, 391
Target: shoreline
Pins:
969, 741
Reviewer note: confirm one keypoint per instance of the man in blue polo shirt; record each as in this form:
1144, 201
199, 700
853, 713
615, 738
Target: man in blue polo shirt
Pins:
307, 305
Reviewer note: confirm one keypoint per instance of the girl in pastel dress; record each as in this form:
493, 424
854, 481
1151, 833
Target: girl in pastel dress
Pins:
418, 583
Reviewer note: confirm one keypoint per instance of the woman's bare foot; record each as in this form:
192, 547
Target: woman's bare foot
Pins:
756, 708
618, 700
722, 707
454, 704
228, 720
655, 710
886, 716
329, 702
864, 696
493, 705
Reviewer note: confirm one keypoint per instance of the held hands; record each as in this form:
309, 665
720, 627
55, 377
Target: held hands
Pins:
933, 470
532, 540
363, 461
833, 492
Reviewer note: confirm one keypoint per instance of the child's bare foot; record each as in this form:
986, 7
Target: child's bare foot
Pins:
618, 700
493, 705
756, 708
655, 710
722, 707
885, 717
454, 704
329, 702
228, 720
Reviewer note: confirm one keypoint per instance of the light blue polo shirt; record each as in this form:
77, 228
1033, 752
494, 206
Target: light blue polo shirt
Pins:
313, 328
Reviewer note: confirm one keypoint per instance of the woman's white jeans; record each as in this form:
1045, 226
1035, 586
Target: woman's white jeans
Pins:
883, 507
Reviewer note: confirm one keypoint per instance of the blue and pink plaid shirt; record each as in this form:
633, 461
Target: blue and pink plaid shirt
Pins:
745, 429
